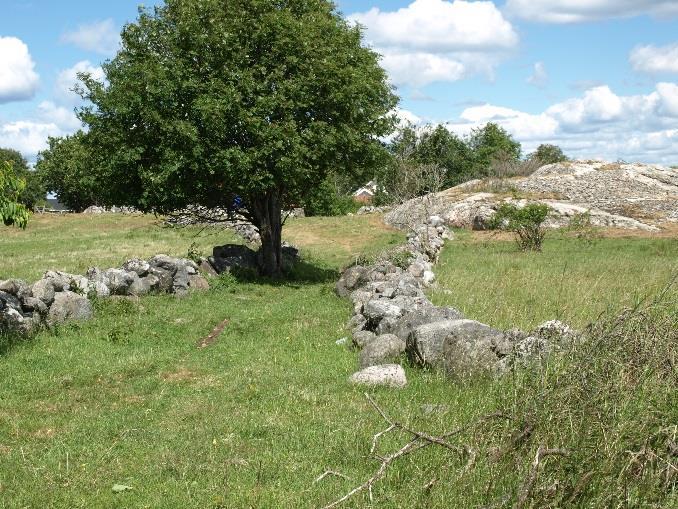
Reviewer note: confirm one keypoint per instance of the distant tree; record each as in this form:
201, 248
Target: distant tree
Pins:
489, 144
209, 100
549, 154
434, 146
33, 194
67, 170
12, 213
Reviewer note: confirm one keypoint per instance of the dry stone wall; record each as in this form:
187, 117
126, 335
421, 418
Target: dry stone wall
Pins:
393, 318
60, 297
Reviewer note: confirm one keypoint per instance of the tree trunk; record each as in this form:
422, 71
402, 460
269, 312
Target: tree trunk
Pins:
268, 218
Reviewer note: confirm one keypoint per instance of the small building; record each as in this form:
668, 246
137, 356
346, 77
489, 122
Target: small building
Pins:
366, 193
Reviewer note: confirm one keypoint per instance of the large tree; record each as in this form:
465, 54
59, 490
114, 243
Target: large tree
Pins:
209, 100
67, 169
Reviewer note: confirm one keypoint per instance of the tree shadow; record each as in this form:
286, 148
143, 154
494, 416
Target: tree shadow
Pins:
302, 273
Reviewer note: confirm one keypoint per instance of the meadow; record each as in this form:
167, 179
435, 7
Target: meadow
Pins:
128, 400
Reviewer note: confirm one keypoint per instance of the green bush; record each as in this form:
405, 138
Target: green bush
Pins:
526, 222
326, 200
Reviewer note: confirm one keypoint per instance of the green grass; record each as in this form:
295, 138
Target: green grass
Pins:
571, 280
251, 421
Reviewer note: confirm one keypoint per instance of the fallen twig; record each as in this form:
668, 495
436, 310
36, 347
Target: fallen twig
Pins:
528, 485
419, 441
329, 473
212, 337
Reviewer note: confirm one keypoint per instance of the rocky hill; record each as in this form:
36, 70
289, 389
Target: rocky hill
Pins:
617, 195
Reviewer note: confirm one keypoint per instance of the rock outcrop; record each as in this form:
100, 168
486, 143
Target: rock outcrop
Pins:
613, 195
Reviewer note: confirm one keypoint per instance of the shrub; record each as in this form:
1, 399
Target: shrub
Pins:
526, 222
327, 200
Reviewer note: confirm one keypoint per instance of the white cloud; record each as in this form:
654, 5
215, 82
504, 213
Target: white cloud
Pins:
539, 77
653, 59
577, 11
100, 36
598, 124
27, 137
68, 78
18, 79
438, 40
64, 118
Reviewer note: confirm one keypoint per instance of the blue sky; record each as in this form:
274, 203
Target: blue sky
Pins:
598, 78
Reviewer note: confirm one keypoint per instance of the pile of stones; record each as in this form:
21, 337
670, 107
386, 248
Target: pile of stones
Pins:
394, 320
60, 297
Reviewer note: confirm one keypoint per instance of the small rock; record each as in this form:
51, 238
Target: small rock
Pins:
389, 375
141, 267
341, 342
198, 283
206, 268
44, 290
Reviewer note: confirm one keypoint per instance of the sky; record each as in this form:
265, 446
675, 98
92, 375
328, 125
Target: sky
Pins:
599, 78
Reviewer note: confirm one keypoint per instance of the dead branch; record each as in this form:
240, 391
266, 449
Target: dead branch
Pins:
419, 441
528, 485
329, 473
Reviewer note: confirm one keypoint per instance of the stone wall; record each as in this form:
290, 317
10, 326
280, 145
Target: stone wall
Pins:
393, 318
59, 297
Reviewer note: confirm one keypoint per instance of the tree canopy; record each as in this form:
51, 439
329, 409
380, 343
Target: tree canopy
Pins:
259, 99
549, 154
67, 169
34, 193
12, 213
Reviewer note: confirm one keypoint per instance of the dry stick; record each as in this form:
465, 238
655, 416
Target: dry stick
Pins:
211, 339
526, 488
420, 441
329, 473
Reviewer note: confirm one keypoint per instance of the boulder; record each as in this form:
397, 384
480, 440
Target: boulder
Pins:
363, 338
141, 267
165, 262
69, 306
120, 281
43, 290
33, 305
9, 301
16, 287
356, 323
350, 280
470, 348
164, 278
180, 282
381, 350
378, 309
198, 283
425, 342
406, 324
225, 258
389, 375
206, 268
141, 286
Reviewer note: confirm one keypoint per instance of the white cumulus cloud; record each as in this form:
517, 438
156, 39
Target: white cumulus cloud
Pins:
577, 11
438, 40
597, 124
18, 79
68, 78
100, 36
653, 59
27, 137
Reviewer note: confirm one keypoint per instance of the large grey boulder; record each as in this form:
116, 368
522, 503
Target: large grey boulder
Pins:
407, 323
389, 375
180, 283
69, 306
120, 281
378, 309
471, 347
34, 305
43, 290
164, 278
425, 342
225, 258
383, 349
165, 262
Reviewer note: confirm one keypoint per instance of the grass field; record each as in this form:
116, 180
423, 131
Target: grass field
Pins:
254, 419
